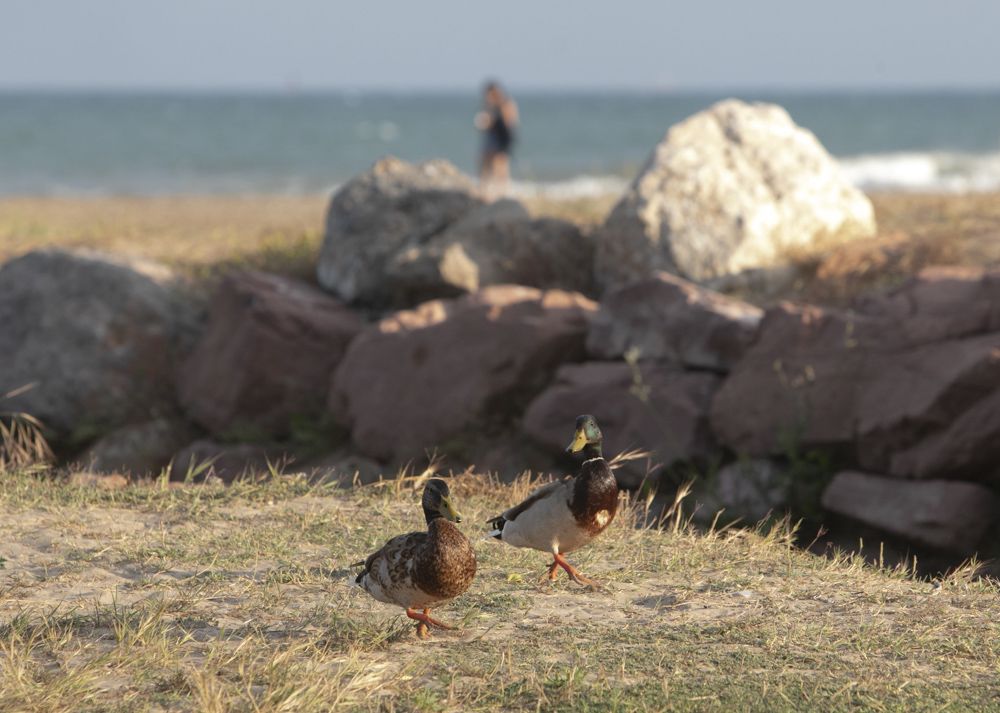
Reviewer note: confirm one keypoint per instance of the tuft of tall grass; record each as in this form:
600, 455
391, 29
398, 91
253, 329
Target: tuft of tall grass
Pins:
22, 442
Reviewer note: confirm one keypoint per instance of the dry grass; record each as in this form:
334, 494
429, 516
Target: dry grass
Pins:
22, 440
209, 598
195, 234
915, 231
22, 443
200, 235
587, 212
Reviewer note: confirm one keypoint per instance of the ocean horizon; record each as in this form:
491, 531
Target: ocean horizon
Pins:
571, 143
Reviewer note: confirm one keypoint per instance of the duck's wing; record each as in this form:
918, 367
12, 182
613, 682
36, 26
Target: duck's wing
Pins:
557, 489
387, 573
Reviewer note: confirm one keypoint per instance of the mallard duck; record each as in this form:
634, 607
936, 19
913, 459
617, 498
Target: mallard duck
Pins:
565, 515
421, 570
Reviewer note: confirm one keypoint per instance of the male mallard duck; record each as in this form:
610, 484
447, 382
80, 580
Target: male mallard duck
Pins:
423, 569
564, 516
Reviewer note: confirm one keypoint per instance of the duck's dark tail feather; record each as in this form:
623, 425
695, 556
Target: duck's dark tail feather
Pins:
497, 524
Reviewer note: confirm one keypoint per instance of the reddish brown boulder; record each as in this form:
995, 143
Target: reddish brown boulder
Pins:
267, 354
948, 515
664, 410
942, 303
665, 317
423, 376
965, 447
908, 382
910, 404
799, 380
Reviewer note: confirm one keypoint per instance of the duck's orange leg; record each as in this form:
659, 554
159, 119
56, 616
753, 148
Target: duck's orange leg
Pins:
425, 621
574, 574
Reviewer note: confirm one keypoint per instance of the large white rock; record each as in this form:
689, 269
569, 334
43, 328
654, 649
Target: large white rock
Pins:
735, 187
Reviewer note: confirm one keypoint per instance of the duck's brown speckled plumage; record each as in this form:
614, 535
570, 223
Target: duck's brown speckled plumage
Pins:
421, 569
447, 565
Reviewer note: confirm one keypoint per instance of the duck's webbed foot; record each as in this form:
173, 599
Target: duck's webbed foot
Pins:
425, 621
573, 572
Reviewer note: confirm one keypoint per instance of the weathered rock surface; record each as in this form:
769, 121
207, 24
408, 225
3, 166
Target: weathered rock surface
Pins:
948, 515
401, 234
142, 449
667, 318
422, 376
94, 337
744, 490
941, 303
909, 383
666, 412
494, 244
205, 459
266, 355
393, 208
735, 187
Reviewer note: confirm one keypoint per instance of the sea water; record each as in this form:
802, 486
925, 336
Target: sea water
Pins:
569, 143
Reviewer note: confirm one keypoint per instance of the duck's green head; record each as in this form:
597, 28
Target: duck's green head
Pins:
587, 434
437, 502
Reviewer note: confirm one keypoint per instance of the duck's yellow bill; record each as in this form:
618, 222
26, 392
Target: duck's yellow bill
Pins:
449, 511
579, 441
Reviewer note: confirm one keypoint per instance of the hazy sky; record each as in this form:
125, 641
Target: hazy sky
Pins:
528, 43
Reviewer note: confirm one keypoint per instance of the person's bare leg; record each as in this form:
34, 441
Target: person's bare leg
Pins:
501, 173
487, 175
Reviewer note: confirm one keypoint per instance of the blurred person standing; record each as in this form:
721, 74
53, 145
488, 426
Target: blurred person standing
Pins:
497, 121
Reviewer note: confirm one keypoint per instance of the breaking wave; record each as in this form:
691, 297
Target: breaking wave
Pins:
924, 171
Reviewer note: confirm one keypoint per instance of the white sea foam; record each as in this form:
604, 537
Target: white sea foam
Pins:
937, 171
924, 171
585, 186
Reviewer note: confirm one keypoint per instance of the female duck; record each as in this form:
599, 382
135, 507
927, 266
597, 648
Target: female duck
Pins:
421, 570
